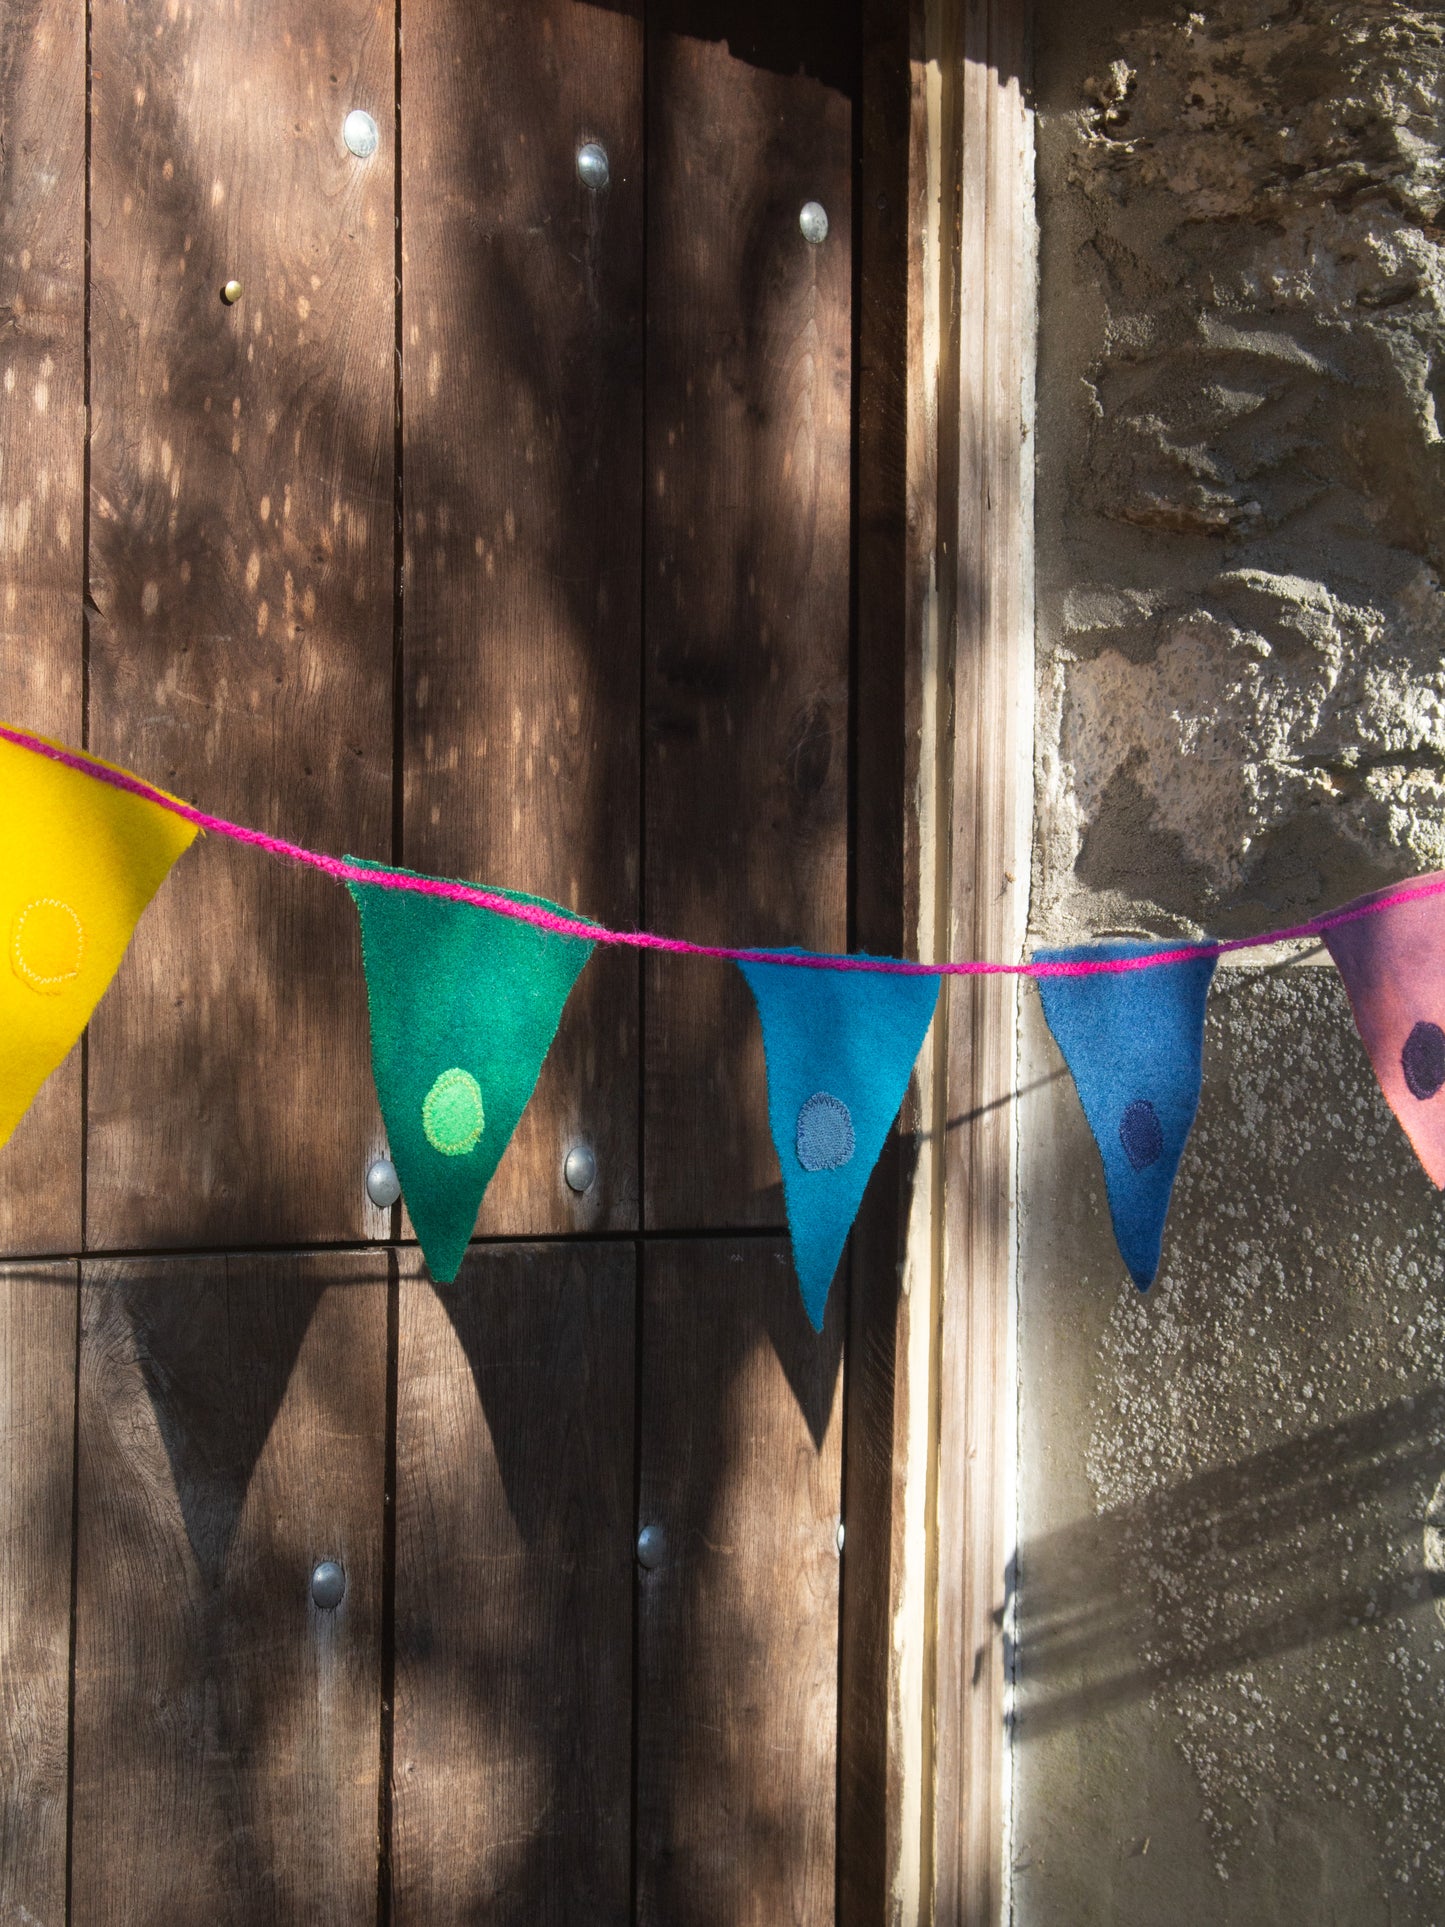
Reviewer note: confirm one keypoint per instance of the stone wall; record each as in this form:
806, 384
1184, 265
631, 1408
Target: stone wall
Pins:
1232, 1672
1241, 465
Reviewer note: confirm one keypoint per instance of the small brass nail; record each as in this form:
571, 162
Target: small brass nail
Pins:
231, 293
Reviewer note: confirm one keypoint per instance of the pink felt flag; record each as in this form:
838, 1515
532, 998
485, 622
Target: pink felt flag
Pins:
1393, 964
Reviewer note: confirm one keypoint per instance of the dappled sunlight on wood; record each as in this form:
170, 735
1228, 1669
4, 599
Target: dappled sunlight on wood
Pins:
738, 1649
514, 1589
205, 671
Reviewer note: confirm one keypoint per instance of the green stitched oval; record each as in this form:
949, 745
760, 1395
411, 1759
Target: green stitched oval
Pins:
451, 1113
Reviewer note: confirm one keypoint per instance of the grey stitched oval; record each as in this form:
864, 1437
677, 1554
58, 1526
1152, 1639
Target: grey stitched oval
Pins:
825, 1133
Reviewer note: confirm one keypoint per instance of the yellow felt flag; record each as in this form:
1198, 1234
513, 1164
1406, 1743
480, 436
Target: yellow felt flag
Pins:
79, 861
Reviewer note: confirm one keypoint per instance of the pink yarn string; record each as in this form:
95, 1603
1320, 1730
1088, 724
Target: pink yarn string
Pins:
562, 925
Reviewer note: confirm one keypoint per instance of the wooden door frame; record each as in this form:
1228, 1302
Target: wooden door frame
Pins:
941, 777
943, 753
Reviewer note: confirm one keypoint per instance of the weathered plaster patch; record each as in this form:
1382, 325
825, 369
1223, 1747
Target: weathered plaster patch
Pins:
1233, 727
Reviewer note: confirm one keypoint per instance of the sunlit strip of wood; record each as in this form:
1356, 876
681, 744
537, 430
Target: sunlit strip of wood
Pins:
885, 1723
985, 479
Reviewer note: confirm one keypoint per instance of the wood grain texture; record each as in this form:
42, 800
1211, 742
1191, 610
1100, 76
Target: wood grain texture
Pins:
514, 1535
749, 398
880, 1736
523, 481
37, 1416
241, 567
738, 1626
232, 1428
42, 500
989, 149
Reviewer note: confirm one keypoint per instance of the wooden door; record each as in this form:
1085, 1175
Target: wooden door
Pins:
516, 526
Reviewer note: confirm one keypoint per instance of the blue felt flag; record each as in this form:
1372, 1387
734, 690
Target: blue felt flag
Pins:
840, 1046
1134, 1043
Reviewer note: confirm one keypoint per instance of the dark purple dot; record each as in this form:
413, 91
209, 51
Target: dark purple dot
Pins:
1141, 1134
1423, 1060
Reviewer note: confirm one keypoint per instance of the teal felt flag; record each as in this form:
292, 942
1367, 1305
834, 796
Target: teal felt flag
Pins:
464, 1005
1133, 1041
840, 1046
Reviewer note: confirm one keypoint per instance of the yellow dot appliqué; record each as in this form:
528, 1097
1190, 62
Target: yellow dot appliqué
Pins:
451, 1113
47, 945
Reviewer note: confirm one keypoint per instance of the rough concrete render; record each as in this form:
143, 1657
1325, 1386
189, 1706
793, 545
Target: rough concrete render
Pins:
1232, 1662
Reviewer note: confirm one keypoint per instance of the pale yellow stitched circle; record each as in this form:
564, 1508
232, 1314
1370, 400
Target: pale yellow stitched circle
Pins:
47, 945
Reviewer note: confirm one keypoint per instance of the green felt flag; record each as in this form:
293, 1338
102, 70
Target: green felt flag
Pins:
464, 1005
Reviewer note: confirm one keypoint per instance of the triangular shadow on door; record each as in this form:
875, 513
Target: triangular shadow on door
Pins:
216, 1355
547, 1333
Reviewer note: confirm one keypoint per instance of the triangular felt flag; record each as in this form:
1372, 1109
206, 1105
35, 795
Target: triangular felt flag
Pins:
1134, 1043
79, 862
1393, 964
840, 1046
464, 1005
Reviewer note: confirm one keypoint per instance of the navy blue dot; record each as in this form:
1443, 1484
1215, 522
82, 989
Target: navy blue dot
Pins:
1141, 1134
825, 1133
1423, 1060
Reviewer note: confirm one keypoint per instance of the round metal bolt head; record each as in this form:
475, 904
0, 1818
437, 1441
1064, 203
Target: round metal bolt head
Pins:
328, 1585
592, 168
651, 1548
231, 293
383, 1186
358, 130
814, 222
580, 1168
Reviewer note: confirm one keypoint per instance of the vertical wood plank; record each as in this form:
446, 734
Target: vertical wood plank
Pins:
514, 1589
42, 500
738, 1624
522, 414
232, 1427
749, 396
992, 794
37, 1414
881, 1722
241, 569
